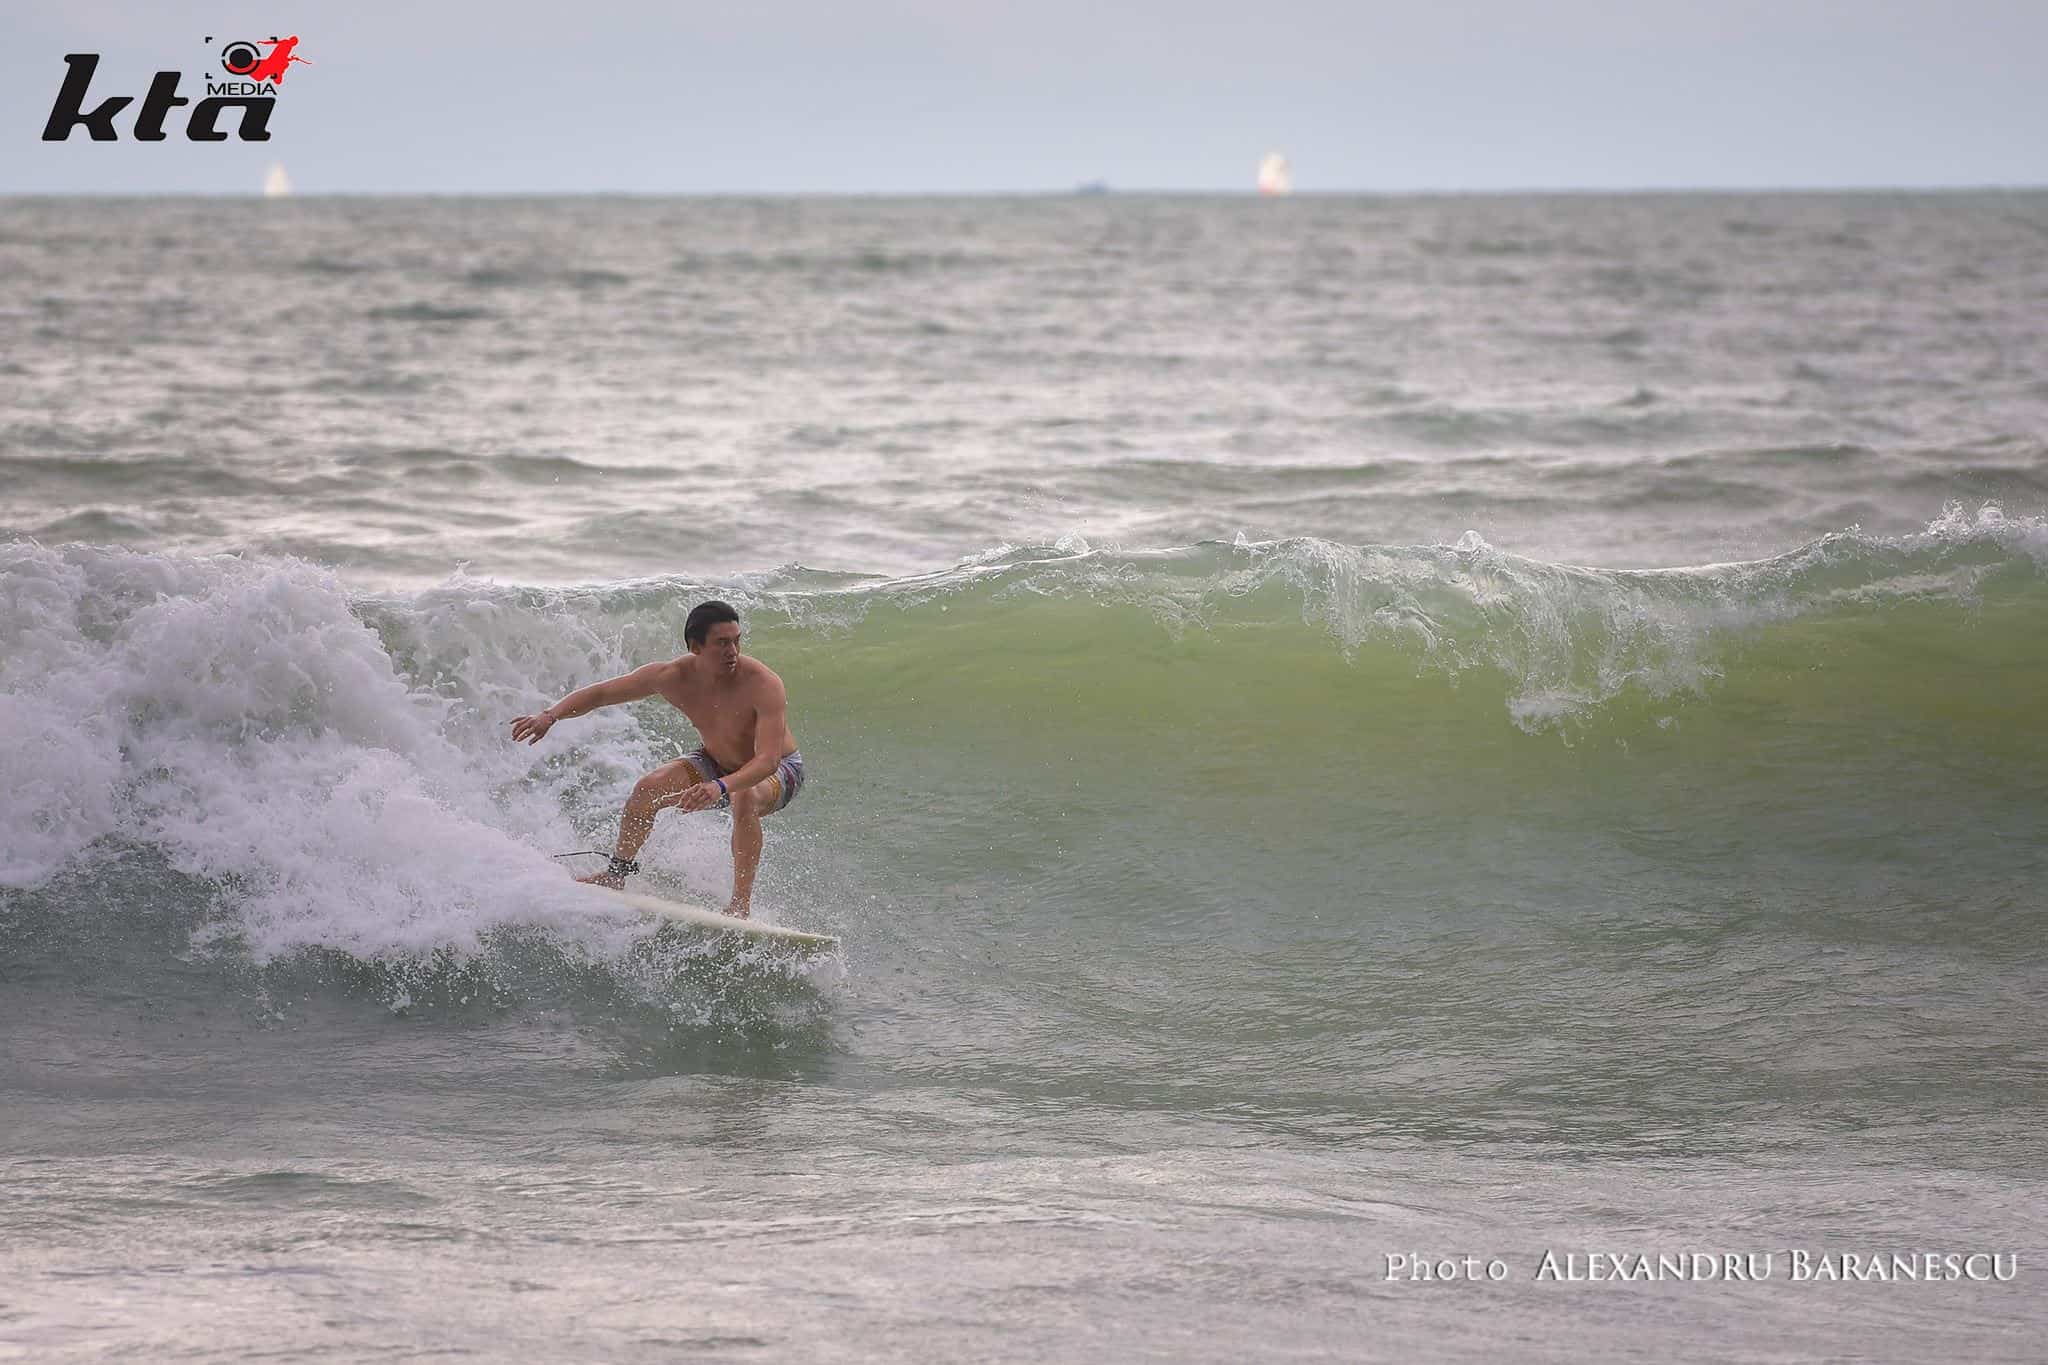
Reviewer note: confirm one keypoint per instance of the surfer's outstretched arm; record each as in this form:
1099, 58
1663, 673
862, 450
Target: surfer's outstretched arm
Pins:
641, 683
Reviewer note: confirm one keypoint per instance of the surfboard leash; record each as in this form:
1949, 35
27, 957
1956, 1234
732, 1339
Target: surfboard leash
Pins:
620, 867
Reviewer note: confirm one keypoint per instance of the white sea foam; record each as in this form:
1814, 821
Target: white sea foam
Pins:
238, 717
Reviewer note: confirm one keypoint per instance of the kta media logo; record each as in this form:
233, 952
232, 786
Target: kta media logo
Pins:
253, 91
242, 59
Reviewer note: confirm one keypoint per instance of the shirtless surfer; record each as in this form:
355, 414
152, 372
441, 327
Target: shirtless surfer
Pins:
748, 758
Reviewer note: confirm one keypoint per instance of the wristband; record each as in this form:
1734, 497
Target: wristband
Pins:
724, 792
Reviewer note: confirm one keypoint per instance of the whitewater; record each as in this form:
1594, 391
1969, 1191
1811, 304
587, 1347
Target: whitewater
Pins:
1342, 734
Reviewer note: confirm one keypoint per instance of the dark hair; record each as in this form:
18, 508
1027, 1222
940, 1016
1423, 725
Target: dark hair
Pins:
703, 617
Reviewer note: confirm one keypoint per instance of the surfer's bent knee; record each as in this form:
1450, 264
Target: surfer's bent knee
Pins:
661, 788
763, 798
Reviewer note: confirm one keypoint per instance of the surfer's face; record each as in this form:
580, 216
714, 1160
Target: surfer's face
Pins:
722, 647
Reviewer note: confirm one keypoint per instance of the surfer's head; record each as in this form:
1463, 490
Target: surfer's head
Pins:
713, 630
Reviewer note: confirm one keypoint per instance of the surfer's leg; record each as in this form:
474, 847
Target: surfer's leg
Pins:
651, 794
747, 809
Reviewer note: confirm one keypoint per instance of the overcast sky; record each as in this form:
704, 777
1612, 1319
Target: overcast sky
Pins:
961, 96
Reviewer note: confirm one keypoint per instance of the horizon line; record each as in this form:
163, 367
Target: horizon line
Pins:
1080, 190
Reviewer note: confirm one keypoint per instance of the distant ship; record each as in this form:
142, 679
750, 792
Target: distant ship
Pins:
1275, 176
1092, 187
277, 184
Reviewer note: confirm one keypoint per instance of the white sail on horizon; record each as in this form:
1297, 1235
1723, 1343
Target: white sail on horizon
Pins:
277, 184
1275, 175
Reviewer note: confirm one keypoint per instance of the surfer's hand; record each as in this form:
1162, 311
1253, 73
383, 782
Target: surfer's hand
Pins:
703, 796
531, 728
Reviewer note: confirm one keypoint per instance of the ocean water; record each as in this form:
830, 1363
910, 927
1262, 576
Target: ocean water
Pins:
1343, 733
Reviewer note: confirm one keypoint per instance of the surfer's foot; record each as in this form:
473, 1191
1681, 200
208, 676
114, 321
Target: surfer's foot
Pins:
738, 909
614, 875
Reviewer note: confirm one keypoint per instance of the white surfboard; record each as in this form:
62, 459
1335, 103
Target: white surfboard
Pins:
698, 916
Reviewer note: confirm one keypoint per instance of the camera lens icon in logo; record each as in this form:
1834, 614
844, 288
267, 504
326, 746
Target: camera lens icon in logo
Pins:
240, 58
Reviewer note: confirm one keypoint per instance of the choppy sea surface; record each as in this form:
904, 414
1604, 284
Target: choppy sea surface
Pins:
1339, 729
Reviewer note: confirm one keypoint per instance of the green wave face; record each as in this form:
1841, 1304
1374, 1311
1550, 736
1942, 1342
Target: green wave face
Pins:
1344, 697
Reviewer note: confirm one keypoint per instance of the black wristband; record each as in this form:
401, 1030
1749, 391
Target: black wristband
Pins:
622, 867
